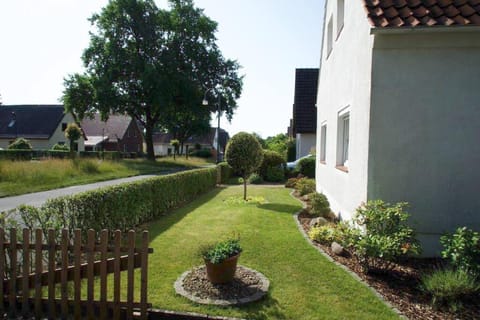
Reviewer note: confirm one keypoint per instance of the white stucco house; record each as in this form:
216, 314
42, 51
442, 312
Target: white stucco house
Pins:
399, 87
304, 121
42, 125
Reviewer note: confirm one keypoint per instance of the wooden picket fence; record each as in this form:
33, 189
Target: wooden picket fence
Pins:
34, 268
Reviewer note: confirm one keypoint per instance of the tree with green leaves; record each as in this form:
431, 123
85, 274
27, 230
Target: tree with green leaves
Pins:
148, 63
72, 133
244, 154
175, 144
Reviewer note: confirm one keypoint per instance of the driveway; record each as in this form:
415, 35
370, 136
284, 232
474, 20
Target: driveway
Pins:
38, 198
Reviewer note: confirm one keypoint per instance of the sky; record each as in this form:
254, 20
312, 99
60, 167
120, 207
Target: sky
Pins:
41, 42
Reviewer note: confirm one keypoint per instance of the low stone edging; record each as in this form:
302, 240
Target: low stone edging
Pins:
353, 274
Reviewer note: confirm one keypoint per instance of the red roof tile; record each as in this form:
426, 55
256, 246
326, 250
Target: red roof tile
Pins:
426, 13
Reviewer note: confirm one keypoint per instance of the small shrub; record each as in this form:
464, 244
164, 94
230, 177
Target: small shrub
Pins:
306, 167
320, 205
255, 178
275, 174
462, 249
60, 147
341, 233
291, 183
305, 186
448, 287
202, 153
386, 235
20, 144
221, 251
271, 159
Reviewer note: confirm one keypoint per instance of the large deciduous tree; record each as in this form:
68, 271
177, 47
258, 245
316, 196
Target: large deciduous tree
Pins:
151, 64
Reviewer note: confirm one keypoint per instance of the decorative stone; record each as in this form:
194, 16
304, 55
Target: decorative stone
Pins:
319, 221
337, 249
247, 286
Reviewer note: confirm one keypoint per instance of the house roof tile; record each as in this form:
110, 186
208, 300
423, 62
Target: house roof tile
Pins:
29, 121
114, 128
424, 13
305, 99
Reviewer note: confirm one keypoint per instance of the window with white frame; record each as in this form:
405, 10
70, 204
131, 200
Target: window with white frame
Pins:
329, 36
343, 138
340, 15
323, 142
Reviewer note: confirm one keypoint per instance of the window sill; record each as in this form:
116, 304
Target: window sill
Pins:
342, 168
323, 162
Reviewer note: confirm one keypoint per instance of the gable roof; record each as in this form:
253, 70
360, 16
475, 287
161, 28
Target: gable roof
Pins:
29, 121
114, 128
304, 106
422, 13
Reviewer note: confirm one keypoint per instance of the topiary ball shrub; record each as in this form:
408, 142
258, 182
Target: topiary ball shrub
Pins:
20, 144
244, 154
319, 205
271, 159
306, 167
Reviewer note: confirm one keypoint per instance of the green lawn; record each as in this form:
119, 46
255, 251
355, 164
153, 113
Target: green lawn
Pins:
20, 177
303, 284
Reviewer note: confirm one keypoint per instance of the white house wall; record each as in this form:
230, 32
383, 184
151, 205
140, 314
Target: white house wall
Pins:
424, 142
306, 143
344, 83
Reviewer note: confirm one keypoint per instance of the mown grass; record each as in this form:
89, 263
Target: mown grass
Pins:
20, 177
304, 284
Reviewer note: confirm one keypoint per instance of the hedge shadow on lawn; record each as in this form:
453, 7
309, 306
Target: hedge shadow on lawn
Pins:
175, 215
280, 207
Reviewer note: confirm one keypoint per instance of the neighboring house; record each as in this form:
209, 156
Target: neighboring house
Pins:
162, 147
42, 125
399, 86
303, 126
118, 133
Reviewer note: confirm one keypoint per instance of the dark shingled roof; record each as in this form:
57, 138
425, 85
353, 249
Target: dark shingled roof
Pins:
115, 127
423, 13
304, 106
31, 121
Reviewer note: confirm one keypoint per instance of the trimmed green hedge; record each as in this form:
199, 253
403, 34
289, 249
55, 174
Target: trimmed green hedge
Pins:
225, 172
32, 154
123, 206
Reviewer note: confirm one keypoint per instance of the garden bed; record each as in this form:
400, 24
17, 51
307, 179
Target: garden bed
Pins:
400, 286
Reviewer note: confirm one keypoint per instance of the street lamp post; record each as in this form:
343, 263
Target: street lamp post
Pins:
205, 103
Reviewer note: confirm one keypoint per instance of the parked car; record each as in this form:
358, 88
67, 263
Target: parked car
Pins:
292, 165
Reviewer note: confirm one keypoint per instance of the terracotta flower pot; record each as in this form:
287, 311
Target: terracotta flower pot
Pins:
222, 272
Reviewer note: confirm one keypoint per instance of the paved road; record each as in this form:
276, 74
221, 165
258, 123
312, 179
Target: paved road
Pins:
38, 198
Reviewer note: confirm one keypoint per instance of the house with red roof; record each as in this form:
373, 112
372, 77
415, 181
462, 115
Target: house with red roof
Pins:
399, 87
117, 133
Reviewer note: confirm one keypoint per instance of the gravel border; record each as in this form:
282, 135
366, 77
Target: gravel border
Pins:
353, 274
263, 289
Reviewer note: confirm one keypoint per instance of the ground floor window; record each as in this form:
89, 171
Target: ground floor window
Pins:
343, 139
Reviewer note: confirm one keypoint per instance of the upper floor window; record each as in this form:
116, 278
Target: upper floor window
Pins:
329, 36
340, 16
64, 126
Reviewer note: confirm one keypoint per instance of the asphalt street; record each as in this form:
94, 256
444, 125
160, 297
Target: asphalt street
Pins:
38, 198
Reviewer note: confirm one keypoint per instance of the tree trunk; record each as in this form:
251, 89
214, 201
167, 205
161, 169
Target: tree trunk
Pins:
149, 142
186, 151
245, 188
